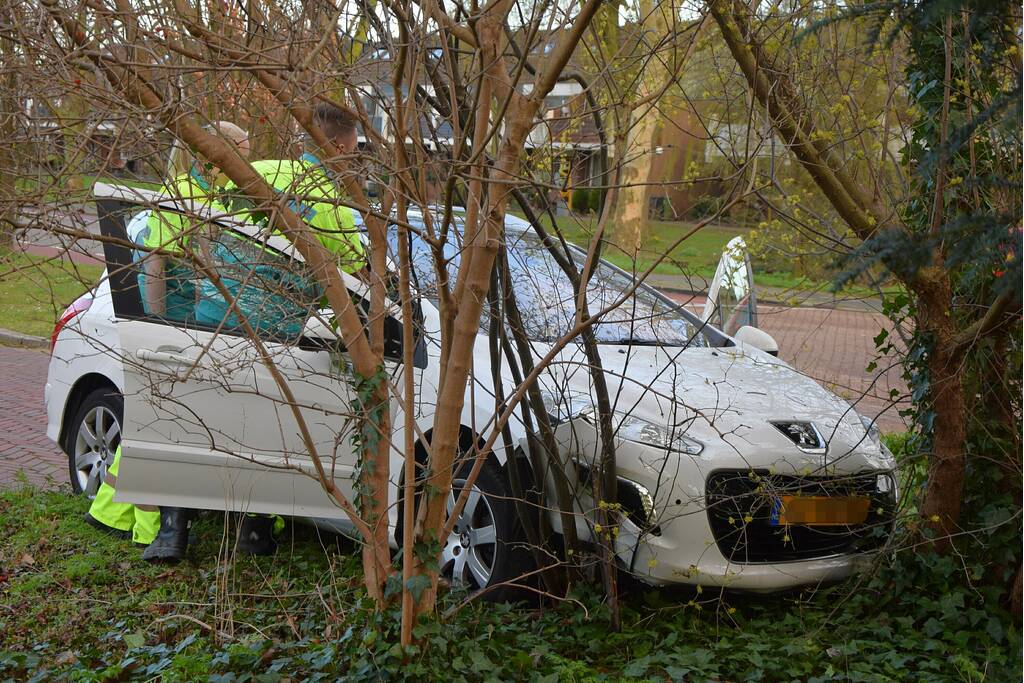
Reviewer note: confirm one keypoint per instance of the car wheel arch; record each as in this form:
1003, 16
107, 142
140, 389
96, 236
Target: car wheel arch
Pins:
85, 385
466, 439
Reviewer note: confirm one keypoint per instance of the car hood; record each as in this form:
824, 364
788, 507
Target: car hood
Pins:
732, 395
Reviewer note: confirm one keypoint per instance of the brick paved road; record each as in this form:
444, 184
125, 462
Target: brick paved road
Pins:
832, 346
23, 443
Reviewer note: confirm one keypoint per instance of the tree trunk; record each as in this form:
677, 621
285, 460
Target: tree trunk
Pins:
631, 210
947, 464
10, 106
71, 118
637, 156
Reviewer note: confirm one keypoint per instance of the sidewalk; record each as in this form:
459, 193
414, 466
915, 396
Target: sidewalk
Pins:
23, 443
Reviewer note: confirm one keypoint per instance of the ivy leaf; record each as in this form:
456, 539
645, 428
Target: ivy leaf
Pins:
392, 586
480, 661
416, 585
134, 640
637, 667
185, 642
995, 629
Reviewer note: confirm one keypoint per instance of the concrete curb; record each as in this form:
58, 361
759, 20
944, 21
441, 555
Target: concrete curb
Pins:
12, 338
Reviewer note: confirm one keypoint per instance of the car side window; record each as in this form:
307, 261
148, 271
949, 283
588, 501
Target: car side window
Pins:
249, 281
240, 277
211, 281
166, 279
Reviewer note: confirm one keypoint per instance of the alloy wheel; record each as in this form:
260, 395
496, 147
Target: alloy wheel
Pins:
99, 434
468, 554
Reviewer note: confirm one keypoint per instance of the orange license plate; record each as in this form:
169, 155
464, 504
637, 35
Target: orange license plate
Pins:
822, 510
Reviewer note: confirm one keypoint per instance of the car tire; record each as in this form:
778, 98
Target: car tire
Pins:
486, 551
92, 438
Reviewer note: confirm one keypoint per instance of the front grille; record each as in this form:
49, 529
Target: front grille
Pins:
740, 505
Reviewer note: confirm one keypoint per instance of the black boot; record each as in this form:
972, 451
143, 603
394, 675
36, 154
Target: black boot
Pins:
256, 535
171, 542
109, 530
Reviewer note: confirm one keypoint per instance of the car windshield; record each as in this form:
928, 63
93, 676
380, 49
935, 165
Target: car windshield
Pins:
545, 299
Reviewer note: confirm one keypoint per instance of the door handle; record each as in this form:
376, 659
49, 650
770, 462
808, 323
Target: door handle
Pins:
168, 357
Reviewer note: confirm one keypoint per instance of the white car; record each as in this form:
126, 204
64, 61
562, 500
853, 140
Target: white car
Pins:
734, 469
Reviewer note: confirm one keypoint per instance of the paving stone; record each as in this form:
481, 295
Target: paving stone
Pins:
23, 443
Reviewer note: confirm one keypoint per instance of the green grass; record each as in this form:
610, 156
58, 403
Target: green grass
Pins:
60, 189
78, 605
90, 180
35, 290
67, 588
698, 254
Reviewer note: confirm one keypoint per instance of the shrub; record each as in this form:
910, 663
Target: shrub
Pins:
581, 200
706, 205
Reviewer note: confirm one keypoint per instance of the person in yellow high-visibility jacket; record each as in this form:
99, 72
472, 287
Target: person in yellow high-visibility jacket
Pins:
273, 299
169, 290
168, 284
312, 192
314, 195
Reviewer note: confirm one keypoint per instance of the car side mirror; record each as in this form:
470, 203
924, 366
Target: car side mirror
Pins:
759, 339
317, 336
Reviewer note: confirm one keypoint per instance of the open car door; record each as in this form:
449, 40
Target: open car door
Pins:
732, 298
206, 424
732, 302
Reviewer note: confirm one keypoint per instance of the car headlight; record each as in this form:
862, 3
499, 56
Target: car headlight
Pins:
638, 430
875, 435
871, 428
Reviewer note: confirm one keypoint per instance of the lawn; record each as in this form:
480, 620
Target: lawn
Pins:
35, 290
53, 187
698, 254
78, 605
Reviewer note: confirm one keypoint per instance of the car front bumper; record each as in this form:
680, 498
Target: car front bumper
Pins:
680, 545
